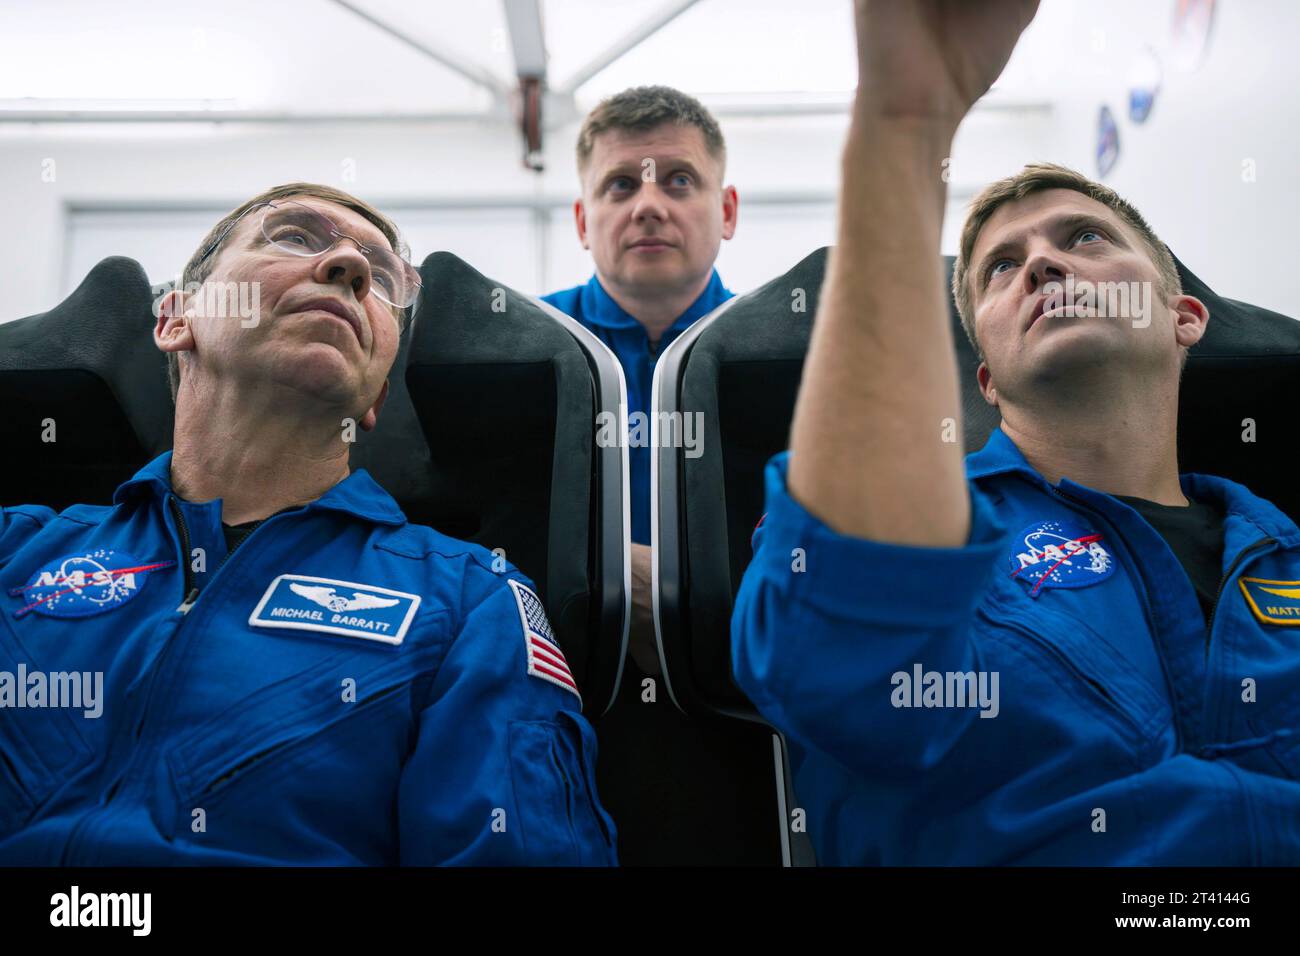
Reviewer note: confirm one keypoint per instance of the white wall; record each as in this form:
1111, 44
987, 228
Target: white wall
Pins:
1184, 167
150, 191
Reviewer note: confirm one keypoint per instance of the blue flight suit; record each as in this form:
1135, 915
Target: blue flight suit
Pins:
345, 688
591, 305
1123, 728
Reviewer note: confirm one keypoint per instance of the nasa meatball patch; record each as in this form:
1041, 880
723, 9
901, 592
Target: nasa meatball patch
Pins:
299, 602
1059, 554
80, 585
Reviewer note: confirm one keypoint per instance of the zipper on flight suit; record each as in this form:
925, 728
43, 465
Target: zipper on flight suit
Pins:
1107, 699
192, 592
1223, 582
191, 596
1209, 620
247, 762
1140, 588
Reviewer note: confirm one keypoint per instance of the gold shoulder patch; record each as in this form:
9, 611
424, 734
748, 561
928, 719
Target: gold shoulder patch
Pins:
1272, 602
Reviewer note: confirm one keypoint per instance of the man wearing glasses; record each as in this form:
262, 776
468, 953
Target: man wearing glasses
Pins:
291, 672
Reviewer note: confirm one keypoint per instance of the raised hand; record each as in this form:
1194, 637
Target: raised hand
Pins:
932, 59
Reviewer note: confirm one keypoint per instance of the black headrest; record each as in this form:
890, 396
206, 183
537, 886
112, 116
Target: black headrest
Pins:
505, 398
1247, 367
757, 348
87, 374
742, 373
395, 454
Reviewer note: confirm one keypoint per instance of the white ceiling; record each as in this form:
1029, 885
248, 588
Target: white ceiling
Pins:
318, 57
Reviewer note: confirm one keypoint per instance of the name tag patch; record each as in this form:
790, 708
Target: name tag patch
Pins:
1272, 602
346, 608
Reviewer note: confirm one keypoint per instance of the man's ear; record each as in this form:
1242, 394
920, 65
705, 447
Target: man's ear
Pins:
1190, 319
580, 220
172, 333
730, 209
371, 417
987, 388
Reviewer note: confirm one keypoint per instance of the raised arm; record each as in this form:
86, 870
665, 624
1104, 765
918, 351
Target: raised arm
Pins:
867, 456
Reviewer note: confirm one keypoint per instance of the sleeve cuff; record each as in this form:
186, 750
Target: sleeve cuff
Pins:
868, 580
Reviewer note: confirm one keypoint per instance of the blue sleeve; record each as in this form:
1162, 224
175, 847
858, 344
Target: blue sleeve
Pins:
503, 769
823, 620
18, 525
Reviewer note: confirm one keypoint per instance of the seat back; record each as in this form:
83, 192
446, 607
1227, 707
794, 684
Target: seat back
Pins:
738, 370
84, 392
507, 392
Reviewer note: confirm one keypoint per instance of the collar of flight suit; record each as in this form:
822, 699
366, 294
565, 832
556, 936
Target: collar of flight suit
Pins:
599, 307
358, 494
1001, 456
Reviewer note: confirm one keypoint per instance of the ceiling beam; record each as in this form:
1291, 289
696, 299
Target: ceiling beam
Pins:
471, 71
524, 21
651, 25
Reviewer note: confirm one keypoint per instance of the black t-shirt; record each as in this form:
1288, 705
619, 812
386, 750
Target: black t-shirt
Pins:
1195, 535
236, 533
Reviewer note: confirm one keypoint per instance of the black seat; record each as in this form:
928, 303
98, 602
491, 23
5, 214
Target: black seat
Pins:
506, 391
741, 366
87, 374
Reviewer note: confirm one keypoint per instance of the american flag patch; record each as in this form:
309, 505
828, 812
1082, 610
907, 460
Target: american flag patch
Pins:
545, 659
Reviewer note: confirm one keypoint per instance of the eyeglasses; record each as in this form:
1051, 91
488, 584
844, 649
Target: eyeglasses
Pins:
300, 230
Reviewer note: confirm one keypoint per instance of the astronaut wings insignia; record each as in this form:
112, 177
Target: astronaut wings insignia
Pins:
326, 597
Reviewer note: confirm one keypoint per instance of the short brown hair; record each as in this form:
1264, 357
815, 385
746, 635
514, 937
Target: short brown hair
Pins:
200, 264
643, 108
1036, 177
